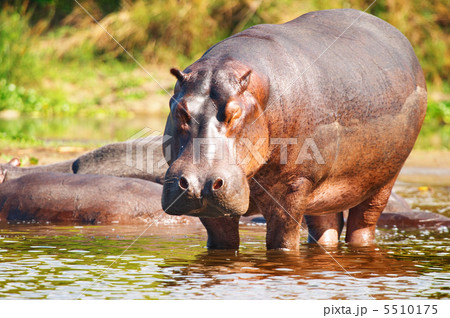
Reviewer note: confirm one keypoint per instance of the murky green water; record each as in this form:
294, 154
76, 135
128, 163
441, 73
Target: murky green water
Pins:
171, 262
425, 196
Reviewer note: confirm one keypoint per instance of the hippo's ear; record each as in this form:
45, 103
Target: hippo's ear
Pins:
179, 74
244, 81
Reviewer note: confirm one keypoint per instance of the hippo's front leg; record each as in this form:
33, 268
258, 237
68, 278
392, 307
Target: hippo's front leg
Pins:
223, 232
285, 218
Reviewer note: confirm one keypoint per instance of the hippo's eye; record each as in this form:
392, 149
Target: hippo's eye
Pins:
215, 94
182, 118
181, 115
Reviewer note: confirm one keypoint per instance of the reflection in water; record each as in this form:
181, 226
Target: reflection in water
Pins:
308, 263
171, 262
312, 273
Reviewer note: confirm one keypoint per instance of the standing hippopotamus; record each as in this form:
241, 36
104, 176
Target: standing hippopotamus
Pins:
312, 117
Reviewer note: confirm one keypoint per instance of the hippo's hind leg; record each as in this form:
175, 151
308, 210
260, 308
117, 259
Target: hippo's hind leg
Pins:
223, 233
362, 219
325, 229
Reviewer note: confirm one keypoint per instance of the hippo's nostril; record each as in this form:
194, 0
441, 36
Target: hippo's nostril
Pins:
183, 183
217, 184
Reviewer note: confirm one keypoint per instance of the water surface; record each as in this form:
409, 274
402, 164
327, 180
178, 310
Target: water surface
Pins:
171, 262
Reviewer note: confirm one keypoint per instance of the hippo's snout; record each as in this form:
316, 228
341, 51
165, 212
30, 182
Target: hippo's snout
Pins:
224, 192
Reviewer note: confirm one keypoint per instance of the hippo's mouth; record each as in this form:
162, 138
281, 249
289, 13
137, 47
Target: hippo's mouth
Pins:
207, 210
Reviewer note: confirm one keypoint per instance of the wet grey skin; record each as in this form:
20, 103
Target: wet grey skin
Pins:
107, 160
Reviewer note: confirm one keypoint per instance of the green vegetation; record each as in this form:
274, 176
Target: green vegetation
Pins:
435, 133
55, 61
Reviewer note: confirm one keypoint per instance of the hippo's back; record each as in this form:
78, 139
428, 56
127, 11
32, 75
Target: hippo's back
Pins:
334, 63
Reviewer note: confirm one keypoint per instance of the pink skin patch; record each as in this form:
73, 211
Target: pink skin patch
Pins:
14, 163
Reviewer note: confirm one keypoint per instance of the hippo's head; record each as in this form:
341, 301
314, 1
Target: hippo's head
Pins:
214, 124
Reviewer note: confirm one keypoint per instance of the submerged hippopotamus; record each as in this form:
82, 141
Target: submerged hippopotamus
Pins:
82, 199
110, 160
311, 117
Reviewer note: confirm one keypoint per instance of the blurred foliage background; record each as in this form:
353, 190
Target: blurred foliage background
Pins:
55, 61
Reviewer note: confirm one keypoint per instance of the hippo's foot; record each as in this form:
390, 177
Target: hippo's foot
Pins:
362, 219
283, 232
223, 232
4, 168
325, 229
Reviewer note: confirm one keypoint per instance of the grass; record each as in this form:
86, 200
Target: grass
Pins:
35, 81
435, 133
17, 61
168, 31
